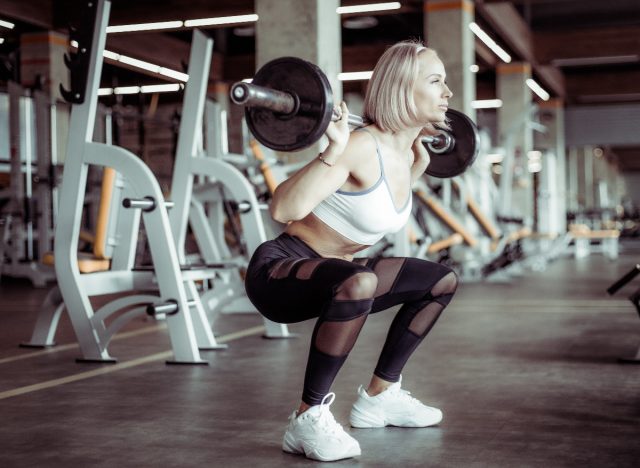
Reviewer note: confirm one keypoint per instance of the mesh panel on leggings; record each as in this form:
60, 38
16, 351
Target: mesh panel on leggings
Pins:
425, 319
337, 338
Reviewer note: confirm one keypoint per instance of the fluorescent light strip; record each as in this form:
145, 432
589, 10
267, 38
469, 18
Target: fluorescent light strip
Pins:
161, 88
235, 19
145, 26
7, 25
368, 7
141, 64
486, 104
536, 88
484, 37
221, 20
126, 90
354, 76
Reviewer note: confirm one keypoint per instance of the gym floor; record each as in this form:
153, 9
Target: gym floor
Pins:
525, 372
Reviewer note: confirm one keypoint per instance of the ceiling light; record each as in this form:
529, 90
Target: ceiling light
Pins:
355, 76
221, 20
160, 88
145, 26
7, 25
1, 40
586, 61
360, 22
368, 7
489, 42
474, 68
142, 65
173, 74
486, 104
536, 88
126, 90
244, 31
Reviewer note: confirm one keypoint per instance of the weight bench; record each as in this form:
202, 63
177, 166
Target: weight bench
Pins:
187, 325
584, 238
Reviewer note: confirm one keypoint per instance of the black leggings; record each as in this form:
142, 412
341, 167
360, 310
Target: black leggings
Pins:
289, 282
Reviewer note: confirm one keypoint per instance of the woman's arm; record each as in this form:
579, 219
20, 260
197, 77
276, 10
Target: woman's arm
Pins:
294, 198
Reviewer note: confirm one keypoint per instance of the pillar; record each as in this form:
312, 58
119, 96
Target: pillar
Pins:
42, 62
447, 31
552, 145
308, 29
514, 133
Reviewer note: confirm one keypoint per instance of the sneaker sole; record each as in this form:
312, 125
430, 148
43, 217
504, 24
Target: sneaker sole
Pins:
361, 420
288, 446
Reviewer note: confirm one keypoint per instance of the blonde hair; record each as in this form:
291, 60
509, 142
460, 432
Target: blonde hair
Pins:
389, 99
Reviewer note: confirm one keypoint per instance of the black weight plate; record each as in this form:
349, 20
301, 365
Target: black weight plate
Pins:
464, 151
302, 128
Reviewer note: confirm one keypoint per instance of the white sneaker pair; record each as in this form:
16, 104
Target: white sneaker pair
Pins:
317, 435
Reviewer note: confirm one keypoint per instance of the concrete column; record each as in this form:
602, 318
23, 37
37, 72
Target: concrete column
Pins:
586, 190
552, 144
516, 136
572, 180
308, 29
42, 62
447, 31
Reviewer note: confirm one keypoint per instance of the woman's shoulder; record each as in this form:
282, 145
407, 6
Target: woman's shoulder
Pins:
363, 140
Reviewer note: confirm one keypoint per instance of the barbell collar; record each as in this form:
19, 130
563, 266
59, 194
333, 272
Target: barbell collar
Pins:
250, 95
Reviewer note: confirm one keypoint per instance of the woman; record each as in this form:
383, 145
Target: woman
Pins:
355, 192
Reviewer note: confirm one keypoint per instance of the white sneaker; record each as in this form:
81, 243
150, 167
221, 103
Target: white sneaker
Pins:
393, 407
317, 435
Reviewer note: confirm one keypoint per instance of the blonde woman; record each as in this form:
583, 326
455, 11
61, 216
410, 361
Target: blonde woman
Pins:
355, 192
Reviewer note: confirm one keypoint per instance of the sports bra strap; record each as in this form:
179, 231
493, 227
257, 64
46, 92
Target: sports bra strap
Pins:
364, 129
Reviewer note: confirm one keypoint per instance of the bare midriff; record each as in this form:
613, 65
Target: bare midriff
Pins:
323, 239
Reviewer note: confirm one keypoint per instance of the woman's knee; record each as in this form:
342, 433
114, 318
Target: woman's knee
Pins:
445, 288
446, 285
359, 286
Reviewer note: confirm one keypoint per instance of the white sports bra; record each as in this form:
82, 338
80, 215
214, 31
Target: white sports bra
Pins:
364, 217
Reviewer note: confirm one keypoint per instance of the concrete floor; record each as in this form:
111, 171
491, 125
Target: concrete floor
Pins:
526, 374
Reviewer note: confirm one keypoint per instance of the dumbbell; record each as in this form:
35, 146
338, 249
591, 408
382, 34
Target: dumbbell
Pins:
289, 105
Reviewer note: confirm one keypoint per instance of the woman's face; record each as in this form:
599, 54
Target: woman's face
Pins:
431, 94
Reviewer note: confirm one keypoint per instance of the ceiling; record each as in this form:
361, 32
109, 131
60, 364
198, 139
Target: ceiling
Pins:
585, 51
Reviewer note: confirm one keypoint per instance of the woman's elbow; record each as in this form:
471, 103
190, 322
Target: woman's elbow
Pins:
285, 214
277, 213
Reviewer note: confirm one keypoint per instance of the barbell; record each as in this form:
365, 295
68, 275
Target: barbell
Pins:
289, 105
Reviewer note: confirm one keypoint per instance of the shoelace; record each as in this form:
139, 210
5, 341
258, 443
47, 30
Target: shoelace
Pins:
405, 395
325, 419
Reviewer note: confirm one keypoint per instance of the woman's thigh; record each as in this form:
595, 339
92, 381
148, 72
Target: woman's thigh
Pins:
403, 279
291, 290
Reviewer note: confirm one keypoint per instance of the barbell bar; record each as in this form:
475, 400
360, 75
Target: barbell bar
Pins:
289, 105
250, 95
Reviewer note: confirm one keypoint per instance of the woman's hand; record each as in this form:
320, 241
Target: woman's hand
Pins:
338, 132
421, 158
420, 153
